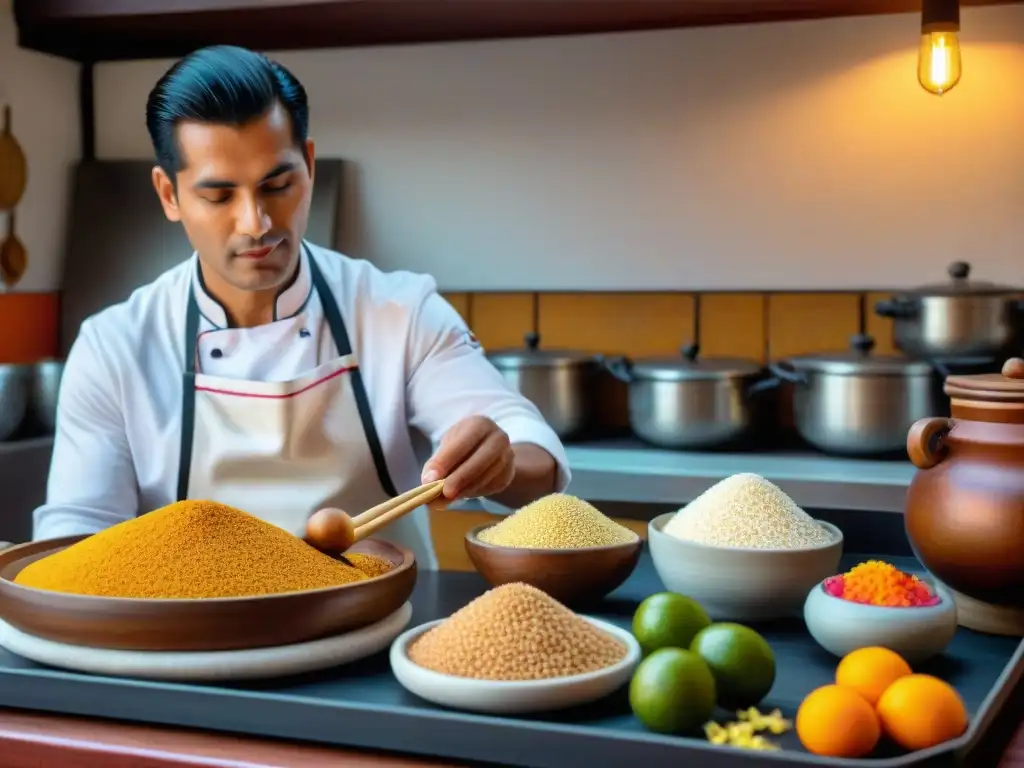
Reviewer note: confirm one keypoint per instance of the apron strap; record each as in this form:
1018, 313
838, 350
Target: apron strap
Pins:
344, 345
188, 394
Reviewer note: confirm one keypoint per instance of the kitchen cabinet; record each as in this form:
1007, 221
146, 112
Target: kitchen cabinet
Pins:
107, 30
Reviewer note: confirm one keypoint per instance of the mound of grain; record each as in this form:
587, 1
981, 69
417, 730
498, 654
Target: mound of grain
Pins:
557, 521
371, 565
515, 632
189, 549
745, 510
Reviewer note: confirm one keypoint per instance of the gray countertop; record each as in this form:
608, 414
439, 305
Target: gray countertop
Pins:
629, 471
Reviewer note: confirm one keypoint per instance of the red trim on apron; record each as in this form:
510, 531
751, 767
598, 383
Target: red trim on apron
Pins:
285, 396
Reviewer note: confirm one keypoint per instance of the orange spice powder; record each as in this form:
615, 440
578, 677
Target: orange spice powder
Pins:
878, 583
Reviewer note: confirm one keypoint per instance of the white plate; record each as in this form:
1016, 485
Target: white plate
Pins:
513, 696
202, 666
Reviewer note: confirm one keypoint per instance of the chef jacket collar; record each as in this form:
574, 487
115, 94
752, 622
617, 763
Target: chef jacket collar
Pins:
291, 298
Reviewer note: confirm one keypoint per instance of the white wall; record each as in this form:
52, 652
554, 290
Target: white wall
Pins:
43, 94
797, 155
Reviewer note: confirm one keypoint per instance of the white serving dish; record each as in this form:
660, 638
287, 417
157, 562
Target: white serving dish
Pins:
742, 584
513, 697
211, 666
841, 626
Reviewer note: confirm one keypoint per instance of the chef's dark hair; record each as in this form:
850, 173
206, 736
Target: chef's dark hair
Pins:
222, 84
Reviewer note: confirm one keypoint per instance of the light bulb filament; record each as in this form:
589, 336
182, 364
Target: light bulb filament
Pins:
938, 67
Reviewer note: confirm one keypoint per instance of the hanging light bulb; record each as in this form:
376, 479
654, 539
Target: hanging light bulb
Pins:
938, 63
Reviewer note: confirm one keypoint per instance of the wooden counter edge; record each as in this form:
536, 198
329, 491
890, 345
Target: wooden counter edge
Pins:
30, 739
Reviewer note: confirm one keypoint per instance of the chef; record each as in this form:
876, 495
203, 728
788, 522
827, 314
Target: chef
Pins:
267, 372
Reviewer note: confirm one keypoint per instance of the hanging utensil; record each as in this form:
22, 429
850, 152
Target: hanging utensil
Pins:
13, 166
13, 256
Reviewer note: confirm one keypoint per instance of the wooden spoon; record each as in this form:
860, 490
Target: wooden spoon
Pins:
334, 530
13, 166
13, 257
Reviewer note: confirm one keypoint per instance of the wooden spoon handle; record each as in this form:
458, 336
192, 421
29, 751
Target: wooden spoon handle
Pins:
374, 525
373, 512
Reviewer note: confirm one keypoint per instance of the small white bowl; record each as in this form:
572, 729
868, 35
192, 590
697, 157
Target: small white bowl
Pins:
738, 583
512, 697
841, 626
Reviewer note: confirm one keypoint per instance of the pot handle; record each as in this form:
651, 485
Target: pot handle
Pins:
786, 372
764, 385
619, 366
926, 441
897, 308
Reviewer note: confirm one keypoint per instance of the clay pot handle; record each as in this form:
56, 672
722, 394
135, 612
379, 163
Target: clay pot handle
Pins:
925, 441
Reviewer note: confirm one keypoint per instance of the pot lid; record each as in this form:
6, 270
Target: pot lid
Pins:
1004, 387
689, 366
530, 355
860, 360
960, 284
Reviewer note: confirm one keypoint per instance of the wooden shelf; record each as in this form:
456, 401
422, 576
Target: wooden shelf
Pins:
109, 30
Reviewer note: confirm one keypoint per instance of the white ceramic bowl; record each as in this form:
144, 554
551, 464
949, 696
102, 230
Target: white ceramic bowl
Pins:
742, 584
516, 696
840, 626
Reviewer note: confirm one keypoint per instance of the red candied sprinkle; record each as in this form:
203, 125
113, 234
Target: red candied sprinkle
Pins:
834, 585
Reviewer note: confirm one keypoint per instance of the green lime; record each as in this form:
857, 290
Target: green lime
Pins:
668, 620
741, 660
672, 691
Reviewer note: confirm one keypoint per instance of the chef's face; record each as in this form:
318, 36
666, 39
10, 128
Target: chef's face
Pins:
243, 195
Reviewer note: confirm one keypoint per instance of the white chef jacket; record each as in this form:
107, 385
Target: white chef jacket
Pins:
119, 414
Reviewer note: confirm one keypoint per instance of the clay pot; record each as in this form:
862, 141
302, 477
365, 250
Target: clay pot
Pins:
965, 506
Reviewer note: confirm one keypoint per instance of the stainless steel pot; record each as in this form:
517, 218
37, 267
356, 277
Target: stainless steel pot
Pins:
559, 382
858, 403
15, 383
690, 403
961, 318
45, 388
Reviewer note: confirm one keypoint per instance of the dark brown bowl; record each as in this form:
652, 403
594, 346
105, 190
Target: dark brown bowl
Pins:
571, 576
214, 624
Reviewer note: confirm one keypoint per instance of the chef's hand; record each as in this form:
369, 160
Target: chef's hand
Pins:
476, 459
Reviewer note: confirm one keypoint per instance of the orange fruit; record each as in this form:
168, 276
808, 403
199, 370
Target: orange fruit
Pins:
869, 671
920, 711
834, 721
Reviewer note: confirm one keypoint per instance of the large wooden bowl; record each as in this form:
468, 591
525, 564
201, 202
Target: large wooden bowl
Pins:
214, 624
571, 576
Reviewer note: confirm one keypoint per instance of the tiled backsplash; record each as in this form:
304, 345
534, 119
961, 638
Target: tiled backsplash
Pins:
758, 326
